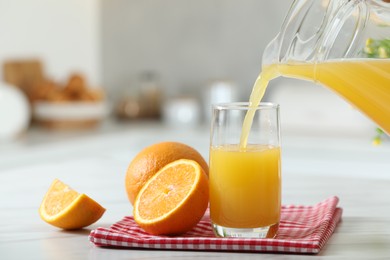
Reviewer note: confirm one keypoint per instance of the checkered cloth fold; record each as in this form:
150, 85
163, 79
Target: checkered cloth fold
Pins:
303, 230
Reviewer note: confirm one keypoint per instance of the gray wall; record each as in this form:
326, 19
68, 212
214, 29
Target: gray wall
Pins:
187, 42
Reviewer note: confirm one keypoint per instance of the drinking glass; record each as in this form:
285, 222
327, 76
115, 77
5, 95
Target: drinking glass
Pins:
245, 178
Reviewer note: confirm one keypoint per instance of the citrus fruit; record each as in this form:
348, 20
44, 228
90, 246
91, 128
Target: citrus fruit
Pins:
65, 208
174, 200
152, 158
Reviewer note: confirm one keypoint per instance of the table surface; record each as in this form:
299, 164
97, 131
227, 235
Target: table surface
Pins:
95, 163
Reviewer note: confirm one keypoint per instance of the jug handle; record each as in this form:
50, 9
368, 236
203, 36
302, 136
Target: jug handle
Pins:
335, 26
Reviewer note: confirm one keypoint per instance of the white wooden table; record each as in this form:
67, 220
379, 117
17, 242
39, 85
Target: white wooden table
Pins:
95, 163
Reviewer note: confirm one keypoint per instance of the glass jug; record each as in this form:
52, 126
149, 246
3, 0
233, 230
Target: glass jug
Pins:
342, 44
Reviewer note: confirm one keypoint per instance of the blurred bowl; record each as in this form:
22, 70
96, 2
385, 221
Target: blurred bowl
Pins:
68, 115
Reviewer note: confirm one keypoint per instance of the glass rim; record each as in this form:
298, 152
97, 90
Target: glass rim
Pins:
244, 106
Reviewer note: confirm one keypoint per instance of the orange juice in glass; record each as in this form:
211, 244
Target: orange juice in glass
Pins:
245, 179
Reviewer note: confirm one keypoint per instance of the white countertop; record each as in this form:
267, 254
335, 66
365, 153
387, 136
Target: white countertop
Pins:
95, 163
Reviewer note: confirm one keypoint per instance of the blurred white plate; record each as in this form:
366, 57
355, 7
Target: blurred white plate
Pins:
51, 111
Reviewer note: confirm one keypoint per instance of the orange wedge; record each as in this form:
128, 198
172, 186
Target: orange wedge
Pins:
65, 208
174, 200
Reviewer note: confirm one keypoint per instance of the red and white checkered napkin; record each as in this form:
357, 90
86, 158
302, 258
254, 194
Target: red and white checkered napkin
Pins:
303, 229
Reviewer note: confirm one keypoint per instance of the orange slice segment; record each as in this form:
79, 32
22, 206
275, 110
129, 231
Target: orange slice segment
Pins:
65, 208
173, 200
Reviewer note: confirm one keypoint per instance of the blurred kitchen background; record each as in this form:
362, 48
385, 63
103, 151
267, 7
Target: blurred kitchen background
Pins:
95, 64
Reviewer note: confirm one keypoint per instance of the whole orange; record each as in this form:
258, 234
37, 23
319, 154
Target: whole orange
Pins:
152, 158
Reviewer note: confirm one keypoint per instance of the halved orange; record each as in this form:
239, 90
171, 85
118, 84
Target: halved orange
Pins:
173, 200
65, 208
152, 158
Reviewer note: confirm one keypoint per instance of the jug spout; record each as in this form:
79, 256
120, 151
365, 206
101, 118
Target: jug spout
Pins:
271, 52
301, 31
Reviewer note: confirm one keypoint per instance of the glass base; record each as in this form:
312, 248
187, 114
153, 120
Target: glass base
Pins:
261, 232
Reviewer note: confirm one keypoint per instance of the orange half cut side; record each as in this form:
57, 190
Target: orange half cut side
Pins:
173, 200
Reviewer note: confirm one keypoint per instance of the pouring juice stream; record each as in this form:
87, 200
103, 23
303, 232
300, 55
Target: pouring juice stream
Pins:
365, 83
